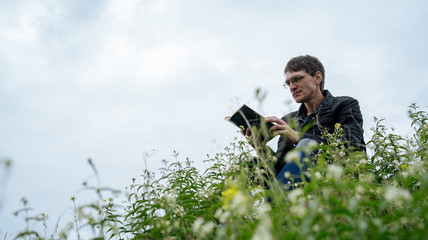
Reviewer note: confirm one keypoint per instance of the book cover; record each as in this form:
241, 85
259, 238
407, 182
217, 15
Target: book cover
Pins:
246, 116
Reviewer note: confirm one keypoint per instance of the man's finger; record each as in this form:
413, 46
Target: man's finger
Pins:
273, 119
248, 132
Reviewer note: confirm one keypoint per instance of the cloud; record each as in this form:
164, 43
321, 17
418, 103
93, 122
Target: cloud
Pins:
112, 79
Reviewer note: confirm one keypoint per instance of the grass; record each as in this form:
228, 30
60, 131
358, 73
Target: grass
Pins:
381, 195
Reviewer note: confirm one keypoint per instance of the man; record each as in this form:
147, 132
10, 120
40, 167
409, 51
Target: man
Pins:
319, 112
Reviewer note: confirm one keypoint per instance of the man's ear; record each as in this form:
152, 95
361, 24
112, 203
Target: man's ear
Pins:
318, 77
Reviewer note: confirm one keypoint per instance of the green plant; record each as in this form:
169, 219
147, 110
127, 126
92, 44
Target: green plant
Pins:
350, 195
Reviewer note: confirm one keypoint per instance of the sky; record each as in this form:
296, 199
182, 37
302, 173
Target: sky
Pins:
117, 80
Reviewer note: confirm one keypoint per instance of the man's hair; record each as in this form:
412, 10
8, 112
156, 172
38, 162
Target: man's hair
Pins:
308, 63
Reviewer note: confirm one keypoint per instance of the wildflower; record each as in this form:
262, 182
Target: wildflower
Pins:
179, 211
263, 209
412, 169
298, 210
294, 195
367, 178
202, 229
258, 190
359, 190
259, 171
397, 196
318, 175
338, 127
221, 215
176, 224
263, 230
218, 213
235, 200
292, 156
334, 172
228, 195
206, 229
234, 167
170, 200
362, 162
166, 225
404, 221
316, 228
239, 204
197, 224
274, 159
327, 192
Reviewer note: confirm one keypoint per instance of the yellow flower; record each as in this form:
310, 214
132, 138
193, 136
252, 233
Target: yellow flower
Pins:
338, 126
228, 195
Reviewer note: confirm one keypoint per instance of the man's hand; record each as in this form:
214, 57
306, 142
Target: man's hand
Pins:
282, 128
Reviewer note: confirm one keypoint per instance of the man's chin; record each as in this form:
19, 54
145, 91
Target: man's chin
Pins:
298, 100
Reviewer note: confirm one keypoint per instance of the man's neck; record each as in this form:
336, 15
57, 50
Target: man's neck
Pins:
314, 103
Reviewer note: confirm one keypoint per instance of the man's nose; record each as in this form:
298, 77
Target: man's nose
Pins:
292, 86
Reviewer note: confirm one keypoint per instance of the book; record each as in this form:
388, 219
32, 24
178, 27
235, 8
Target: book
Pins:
246, 116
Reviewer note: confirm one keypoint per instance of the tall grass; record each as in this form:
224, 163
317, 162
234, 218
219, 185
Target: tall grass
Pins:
350, 195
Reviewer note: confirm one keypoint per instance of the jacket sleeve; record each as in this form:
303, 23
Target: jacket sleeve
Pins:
351, 120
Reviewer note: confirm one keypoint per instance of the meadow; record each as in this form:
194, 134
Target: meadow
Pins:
351, 195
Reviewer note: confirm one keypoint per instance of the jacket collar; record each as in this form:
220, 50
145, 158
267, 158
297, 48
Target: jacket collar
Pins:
325, 104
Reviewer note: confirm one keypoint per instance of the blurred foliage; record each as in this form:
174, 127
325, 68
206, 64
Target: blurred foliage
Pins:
350, 195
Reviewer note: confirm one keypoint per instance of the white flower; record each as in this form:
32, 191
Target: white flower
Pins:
259, 171
295, 195
316, 228
221, 215
411, 169
218, 213
239, 203
234, 167
169, 200
197, 225
224, 217
293, 156
258, 190
298, 210
263, 230
176, 224
334, 172
363, 161
166, 226
359, 192
327, 191
179, 210
206, 229
202, 229
367, 178
318, 175
397, 196
263, 209
274, 159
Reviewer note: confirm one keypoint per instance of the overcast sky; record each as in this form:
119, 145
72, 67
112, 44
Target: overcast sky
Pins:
113, 79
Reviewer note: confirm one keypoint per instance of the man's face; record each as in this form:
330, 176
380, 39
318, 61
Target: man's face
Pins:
303, 87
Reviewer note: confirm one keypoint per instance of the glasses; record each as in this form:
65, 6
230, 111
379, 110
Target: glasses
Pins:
294, 80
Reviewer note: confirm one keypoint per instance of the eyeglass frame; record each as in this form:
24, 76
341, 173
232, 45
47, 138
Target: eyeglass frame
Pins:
294, 80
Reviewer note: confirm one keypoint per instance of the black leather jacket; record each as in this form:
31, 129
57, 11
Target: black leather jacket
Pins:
343, 110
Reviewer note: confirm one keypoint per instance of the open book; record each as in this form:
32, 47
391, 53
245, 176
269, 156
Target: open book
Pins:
245, 117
